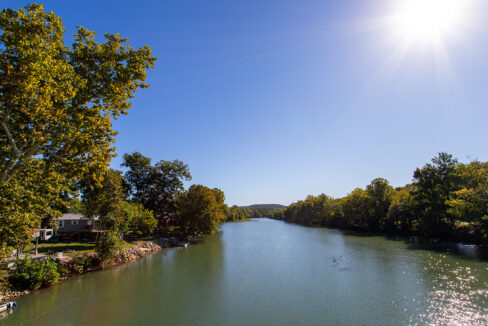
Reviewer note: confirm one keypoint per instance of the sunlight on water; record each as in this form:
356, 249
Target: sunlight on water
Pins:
457, 296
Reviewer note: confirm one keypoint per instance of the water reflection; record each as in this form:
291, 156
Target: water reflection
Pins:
470, 252
271, 273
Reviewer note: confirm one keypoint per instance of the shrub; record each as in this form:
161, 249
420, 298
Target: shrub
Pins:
78, 265
34, 274
108, 246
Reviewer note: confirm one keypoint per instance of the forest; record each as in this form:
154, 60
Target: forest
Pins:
446, 200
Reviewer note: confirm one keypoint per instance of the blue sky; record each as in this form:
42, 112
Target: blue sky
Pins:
274, 100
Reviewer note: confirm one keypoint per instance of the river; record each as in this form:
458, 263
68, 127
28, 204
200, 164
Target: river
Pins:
267, 272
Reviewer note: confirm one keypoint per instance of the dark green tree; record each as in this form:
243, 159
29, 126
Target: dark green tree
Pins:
379, 193
156, 187
434, 184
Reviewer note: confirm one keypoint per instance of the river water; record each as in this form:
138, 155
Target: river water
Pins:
267, 272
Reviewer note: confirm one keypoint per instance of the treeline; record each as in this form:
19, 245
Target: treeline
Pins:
236, 213
146, 199
56, 142
446, 200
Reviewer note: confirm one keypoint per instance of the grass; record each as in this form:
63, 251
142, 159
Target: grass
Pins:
52, 248
78, 247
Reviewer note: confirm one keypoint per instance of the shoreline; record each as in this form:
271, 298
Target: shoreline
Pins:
137, 251
412, 240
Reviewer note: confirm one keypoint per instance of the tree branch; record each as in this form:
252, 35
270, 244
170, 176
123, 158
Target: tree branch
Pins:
10, 138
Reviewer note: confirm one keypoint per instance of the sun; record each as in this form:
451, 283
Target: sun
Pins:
428, 20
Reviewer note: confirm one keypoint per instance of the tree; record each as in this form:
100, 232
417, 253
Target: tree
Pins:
108, 246
156, 187
102, 199
142, 221
56, 107
379, 192
200, 209
469, 204
434, 184
354, 208
401, 213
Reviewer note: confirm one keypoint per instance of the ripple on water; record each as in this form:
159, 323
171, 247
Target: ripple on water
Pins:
457, 296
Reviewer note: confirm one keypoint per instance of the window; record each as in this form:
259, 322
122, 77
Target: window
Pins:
89, 222
74, 222
61, 224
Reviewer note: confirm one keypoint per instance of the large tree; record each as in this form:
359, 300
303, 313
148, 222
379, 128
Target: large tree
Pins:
156, 187
57, 103
201, 209
434, 185
469, 204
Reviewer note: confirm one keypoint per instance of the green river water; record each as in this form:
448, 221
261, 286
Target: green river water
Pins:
267, 272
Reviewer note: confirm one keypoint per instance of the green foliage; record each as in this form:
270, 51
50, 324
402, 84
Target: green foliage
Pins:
34, 274
470, 202
102, 199
142, 221
57, 103
156, 187
107, 200
434, 184
4, 284
200, 209
400, 216
108, 246
236, 213
78, 265
447, 200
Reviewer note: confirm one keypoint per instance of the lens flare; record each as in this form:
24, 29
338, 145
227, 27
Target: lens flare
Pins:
428, 20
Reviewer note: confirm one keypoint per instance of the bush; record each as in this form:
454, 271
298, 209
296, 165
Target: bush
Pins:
143, 222
78, 265
34, 274
108, 246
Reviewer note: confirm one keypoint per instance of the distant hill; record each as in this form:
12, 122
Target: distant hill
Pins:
264, 206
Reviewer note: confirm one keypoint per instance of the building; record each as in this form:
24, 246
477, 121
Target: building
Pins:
74, 225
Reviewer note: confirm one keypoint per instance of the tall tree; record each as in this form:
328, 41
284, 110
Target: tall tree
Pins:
156, 187
107, 201
56, 107
434, 184
469, 204
201, 209
380, 195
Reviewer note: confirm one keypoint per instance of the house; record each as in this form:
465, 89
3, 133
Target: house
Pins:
73, 225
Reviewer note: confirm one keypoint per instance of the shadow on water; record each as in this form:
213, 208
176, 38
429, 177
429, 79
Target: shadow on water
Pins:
462, 251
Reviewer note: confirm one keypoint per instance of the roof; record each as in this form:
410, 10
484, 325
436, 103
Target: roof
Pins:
74, 216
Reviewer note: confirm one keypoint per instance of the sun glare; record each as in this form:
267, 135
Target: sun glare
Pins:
428, 20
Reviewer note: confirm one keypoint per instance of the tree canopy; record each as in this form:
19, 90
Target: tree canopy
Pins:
446, 199
156, 187
57, 103
200, 209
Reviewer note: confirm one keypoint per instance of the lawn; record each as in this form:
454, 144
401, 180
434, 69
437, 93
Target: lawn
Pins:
52, 248
78, 247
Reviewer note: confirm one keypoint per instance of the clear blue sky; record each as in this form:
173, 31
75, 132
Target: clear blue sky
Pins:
274, 100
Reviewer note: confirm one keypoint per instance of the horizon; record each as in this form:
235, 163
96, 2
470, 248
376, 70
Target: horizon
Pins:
274, 101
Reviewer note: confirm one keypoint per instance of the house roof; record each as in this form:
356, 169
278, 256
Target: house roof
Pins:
74, 216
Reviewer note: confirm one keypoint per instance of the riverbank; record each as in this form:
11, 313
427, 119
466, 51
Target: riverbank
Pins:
462, 237
137, 251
